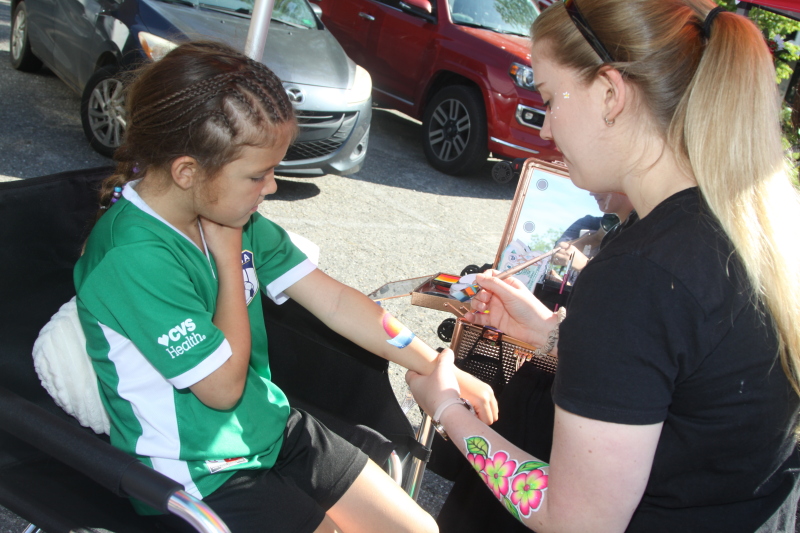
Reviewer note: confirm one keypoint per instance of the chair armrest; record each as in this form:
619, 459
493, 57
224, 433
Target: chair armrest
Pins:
113, 469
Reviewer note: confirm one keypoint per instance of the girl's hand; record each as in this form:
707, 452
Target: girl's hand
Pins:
224, 242
479, 394
512, 309
431, 390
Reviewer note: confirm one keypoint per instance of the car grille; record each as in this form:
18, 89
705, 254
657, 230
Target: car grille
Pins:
320, 134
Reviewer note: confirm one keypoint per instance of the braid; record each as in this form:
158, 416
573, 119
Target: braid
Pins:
209, 86
275, 86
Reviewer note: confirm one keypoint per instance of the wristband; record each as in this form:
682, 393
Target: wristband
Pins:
440, 411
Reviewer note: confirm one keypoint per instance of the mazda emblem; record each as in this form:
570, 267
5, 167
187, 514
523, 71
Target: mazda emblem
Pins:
295, 95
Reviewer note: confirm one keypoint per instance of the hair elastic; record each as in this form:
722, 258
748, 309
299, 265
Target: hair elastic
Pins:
709, 19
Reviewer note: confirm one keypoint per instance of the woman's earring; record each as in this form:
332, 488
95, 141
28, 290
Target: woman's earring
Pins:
609, 122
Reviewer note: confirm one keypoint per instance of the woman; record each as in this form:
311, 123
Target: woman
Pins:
676, 392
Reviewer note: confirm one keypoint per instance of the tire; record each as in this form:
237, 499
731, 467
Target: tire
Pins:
470, 269
103, 110
22, 57
502, 172
446, 329
454, 130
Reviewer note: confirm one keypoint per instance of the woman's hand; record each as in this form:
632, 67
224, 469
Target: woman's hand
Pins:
224, 242
512, 308
431, 390
479, 394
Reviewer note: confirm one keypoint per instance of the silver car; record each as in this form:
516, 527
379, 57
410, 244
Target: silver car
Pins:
89, 44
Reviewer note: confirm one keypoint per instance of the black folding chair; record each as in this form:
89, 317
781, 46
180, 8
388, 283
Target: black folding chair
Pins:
62, 476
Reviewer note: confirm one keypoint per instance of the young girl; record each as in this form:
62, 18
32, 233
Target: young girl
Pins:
676, 391
168, 298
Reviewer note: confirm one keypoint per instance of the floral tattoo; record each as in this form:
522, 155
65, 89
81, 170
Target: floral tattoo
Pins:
519, 487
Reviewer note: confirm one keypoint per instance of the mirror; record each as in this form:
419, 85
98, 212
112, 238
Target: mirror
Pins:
420, 8
548, 208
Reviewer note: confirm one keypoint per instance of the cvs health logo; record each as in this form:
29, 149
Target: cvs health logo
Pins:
181, 331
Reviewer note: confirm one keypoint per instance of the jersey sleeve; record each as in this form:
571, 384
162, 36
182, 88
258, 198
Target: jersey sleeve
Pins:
621, 347
279, 263
143, 292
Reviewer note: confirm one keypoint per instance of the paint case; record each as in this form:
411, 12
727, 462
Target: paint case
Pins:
432, 292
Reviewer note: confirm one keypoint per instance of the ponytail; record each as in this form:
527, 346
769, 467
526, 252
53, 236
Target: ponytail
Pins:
727, 128
126, 171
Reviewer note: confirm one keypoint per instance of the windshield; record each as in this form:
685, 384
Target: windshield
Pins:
502, 16
294, 12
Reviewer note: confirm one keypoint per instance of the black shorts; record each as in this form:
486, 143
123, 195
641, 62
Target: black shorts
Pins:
314, 468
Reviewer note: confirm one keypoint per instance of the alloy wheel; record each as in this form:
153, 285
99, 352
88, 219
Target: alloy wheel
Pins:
106, 112
18, 35
449, 129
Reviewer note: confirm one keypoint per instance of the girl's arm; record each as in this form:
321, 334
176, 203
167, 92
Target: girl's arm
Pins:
222, 388
597, 472
356, 317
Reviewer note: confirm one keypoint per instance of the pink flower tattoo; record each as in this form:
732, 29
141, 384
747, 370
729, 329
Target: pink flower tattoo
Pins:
527, 491
520, 488
499, 469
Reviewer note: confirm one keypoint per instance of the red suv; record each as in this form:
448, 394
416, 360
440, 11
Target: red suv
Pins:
461, 66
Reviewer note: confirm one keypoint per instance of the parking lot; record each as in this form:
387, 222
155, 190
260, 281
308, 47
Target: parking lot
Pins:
395, 219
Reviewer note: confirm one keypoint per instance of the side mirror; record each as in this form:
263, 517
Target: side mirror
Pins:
316, 9
419, 8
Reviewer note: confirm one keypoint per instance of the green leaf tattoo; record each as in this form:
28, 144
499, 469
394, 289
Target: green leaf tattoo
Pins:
478, 446
511, 508
527, 466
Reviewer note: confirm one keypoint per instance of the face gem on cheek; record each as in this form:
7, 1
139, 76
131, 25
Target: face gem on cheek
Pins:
566, 96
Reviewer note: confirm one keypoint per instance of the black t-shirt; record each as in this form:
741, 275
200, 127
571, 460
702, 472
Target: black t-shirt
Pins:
662, 328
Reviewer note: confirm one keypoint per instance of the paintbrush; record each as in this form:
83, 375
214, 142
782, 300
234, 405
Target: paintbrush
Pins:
472, 290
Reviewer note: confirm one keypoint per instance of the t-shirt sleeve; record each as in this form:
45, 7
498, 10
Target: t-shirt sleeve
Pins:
279, 263
621, 346
142, 292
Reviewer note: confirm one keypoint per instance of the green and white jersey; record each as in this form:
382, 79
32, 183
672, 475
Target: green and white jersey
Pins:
146, 299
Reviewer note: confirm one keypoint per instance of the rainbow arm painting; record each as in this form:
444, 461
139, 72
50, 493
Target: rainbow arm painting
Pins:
400, 336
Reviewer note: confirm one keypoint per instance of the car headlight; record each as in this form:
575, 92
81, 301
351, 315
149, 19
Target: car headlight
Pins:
523, 76
362, 87
155, 47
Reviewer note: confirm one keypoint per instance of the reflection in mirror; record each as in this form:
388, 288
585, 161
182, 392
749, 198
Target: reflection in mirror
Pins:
549, 209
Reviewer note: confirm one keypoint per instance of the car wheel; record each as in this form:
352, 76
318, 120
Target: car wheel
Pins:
103, 110
22, 57
454, 130
446, 329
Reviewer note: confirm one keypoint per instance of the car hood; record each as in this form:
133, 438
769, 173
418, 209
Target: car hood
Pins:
296, 55
515, 45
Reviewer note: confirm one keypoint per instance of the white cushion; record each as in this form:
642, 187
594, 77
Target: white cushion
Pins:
66, 371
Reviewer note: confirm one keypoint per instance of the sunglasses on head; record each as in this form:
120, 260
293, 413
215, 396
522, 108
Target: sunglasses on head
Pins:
583, 27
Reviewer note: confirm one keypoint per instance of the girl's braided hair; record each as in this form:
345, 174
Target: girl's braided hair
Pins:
205, 100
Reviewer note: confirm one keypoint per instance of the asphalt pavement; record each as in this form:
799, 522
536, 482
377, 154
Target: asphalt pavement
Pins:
395, 219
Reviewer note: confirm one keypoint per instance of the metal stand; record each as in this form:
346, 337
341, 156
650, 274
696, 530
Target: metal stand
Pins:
416, 471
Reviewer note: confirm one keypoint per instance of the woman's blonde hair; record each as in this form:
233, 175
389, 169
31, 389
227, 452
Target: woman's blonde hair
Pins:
715, 100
